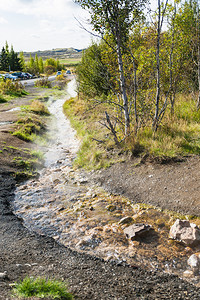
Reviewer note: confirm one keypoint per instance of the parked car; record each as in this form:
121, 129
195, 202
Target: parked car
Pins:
58, 73
27, 75
17, 74
11, 77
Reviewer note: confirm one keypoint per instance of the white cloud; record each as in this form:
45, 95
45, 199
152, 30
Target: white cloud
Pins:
53, 8
35, 36
3, 21
43, 24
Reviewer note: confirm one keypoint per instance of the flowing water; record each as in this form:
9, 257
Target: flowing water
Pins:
65, 205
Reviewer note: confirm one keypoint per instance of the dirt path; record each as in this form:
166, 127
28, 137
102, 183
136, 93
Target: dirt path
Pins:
27, 254
173, 186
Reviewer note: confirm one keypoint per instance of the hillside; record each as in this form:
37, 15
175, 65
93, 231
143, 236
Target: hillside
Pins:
58, 53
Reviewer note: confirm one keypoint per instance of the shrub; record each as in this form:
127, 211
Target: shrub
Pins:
41, 288
43, 82
2, 99
39, 108
49, 69
27, 127
11, 88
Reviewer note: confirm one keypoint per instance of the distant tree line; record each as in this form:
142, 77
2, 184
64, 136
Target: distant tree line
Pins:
9, 60
38, 65
12, 61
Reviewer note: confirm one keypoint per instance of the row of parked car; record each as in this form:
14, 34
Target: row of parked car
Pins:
68, 72
17, 76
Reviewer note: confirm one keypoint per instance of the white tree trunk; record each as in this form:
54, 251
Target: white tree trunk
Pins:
123, 87
155, 121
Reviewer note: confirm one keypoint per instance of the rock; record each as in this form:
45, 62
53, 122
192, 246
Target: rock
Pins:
136, 230
188, 274
125, 220
193, 261
3, 275
186, 232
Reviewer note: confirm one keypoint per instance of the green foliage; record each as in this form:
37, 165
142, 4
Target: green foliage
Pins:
114, 16
9, 60
41, 66
11, 88
28, 127
4, 60
2, 99
93, 76
51, 65
22, 61
41, 288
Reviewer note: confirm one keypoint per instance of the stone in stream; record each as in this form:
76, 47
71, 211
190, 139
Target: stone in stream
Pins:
137, 230
185, 232
194, 263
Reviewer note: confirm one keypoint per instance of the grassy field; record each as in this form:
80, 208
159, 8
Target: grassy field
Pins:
70, 61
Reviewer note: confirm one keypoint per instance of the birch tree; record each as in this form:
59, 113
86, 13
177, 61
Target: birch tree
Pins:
115, 17
160, 19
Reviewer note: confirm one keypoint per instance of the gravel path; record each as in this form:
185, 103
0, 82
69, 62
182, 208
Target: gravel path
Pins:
24, 253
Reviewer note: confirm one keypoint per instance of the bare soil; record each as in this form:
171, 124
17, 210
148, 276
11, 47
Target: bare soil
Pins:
173, 186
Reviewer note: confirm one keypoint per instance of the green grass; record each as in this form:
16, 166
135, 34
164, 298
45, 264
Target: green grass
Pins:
91, 154
30, 126
177, 136
41, 288
70, 62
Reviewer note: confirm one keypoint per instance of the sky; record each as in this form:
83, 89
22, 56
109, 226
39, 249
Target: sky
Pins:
32, 25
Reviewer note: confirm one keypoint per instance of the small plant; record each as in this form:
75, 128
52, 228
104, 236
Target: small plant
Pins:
29, 126
22, 135
11, 88
43, 82
41, 288
39, 108
60, 77
2, 99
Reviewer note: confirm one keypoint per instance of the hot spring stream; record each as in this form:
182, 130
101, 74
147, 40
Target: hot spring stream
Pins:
69, 207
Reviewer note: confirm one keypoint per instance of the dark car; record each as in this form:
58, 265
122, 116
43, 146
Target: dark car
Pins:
17, 74
27, 75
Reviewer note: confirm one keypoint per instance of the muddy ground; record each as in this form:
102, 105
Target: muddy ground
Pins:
23, 253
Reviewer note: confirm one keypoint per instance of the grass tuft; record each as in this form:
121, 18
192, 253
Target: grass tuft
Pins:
39, 108
41, 288
28, 127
